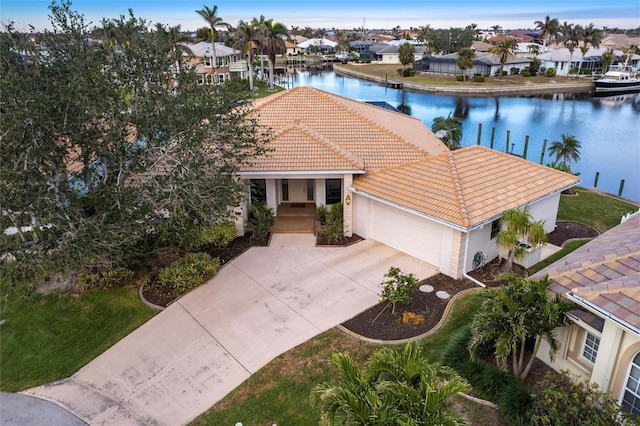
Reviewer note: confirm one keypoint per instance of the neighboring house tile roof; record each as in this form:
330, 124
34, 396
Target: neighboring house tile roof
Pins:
203, 49
466, 187
605, 272
376, 136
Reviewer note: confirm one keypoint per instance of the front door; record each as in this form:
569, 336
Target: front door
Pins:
297, 190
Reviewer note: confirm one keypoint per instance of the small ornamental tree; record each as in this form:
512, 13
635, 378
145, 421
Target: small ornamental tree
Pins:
397, 288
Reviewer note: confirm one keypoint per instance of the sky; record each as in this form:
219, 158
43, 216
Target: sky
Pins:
346, 14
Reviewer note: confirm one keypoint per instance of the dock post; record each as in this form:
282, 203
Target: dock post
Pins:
595, 182
506, 146
544, 148
526, 147
621, 188
493, 135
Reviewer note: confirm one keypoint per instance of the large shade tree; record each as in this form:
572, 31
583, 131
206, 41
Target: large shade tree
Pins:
394, 388
210, 15
103, 156
512, 316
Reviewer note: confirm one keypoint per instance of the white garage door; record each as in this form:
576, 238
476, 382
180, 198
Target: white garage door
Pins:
408, 233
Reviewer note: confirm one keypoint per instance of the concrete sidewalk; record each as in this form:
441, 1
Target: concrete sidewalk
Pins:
263, 303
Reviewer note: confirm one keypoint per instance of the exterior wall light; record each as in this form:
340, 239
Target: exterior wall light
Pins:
348, 200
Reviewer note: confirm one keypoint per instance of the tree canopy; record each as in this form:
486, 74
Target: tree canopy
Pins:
109, 148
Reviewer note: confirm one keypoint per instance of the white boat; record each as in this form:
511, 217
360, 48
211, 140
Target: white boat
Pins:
617, 79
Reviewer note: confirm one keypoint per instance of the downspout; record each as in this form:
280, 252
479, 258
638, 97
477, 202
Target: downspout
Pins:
464, 265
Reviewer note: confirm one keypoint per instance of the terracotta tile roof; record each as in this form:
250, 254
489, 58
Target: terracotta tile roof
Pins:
465, 187
605, 272
298, 148
378, 137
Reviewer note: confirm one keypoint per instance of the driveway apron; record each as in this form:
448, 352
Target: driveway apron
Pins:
263, 303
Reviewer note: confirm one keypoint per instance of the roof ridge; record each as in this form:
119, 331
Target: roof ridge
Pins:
328, 143
332, 98
456, 183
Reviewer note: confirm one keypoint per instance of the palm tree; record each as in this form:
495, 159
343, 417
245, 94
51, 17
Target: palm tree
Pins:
505, 49
590, 35
520, 233
515, 314
406, 54
244, 36
566, 150
570, 39
496, 29
395, 387
533, 49
466, 58
210, 15
606, 59
272, 43
449, 130
549, 29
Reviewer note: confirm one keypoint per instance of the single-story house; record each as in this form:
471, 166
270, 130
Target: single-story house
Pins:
398, 183
485, 63
388, 54
603, 343
559, 59
229, 61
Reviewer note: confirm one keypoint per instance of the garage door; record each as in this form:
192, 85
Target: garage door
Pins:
406, 232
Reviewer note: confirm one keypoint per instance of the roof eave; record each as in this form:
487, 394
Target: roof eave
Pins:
601, 312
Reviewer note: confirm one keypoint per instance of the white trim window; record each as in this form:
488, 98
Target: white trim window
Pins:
207, 61
631, 397
590, 347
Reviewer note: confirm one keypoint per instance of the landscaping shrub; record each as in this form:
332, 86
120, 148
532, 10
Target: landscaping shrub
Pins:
322, 212
113, 278
261, 217
187, 273
478, 78
409, 72
565, 399
514, 404
459, 77
551, 72
526, 73
220, 236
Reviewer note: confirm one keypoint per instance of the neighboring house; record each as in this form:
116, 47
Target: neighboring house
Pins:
388, 53
292, 49
619, 41
315, 45
398, 183
485, 64
230, 63
481, 46
559, 59
603, 343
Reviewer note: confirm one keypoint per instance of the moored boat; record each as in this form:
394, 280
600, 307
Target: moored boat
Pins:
617, 79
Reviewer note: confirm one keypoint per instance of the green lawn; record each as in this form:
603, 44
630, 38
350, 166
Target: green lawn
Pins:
593, 208
279, 392
568, 248
47, 338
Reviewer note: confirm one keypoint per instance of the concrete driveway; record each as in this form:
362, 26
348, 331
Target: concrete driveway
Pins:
263, 303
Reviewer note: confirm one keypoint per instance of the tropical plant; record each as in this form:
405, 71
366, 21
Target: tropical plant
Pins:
210, 15
186, 273
534, 49
466, 58
566, 150
333, 228
589, 35
606, 59
271, 42
513, 315
393, 388
406, 54
549, 30
262, 218
504, 49
571, 39
244, 36
521, 233
397, 289
449, 130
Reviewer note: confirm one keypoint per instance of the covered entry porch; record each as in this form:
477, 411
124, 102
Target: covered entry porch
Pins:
296, 218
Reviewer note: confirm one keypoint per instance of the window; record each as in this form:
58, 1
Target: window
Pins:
258, 191
631, 397
495, 228
333, 194
285, 189
207, 61
590, 349
200, 78
310, 183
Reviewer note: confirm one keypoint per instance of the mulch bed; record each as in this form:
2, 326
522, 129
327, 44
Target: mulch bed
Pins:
566, 230
379, 323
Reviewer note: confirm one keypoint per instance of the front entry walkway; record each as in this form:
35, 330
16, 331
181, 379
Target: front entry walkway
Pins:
296, 218
261, 304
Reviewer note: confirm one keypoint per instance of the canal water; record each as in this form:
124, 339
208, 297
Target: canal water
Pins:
608, 128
